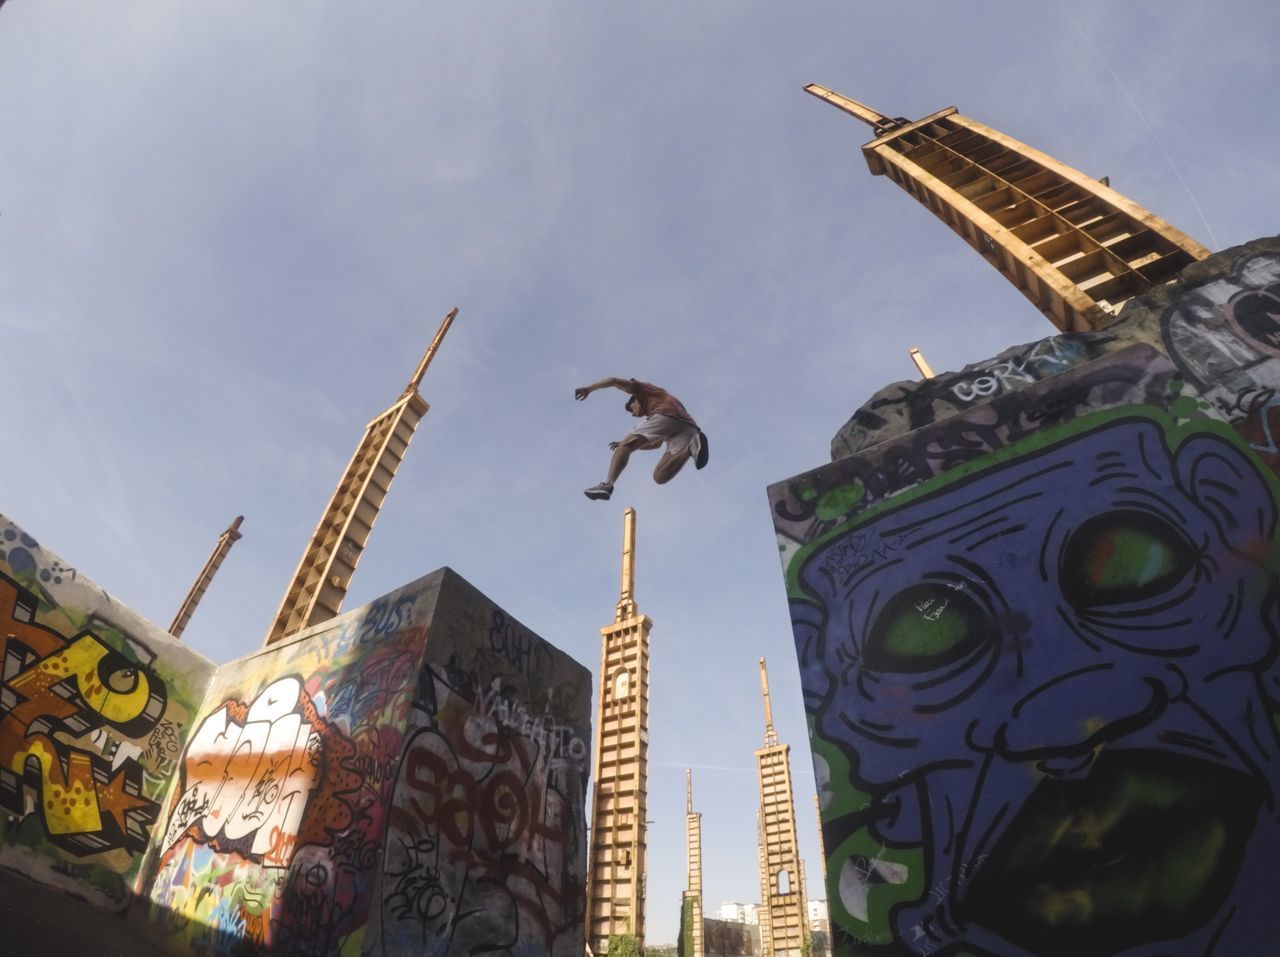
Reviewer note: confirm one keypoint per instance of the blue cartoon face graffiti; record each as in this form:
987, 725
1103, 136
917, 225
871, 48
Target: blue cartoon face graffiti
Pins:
1054, 678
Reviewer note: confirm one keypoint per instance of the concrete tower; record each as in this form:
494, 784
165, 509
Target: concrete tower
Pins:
324, 574
784, 909
766, 940
225, 541
616, 864
1072, 245
822, 843
693, 851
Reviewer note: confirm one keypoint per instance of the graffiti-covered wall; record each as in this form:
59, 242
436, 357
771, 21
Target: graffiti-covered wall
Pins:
95, 706
1037, 619
408, 778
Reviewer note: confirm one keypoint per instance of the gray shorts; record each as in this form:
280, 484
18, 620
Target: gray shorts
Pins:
680, 436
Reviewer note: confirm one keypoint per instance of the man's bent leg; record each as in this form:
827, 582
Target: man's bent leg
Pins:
669, 465
622, 454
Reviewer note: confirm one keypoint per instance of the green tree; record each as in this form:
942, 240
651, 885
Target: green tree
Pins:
684, 943
623, 945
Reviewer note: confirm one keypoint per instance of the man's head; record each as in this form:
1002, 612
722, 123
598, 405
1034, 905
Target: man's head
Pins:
632, 405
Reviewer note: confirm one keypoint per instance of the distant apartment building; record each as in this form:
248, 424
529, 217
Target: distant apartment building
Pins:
739, 912
819, 928
818, 913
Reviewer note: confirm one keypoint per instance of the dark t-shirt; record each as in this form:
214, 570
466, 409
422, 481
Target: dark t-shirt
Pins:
657, 401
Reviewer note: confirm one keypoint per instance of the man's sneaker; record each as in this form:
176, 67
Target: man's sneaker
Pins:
704, 452
601, 491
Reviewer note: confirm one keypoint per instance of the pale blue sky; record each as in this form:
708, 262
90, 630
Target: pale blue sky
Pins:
228, 230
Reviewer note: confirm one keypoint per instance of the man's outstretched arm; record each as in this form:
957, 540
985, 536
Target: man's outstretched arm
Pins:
626, 385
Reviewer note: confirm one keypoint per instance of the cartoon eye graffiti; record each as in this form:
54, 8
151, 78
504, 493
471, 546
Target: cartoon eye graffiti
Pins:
1123, 556
122, 679
1255, 313
925, 627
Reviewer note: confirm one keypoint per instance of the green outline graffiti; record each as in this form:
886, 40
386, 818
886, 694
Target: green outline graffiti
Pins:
1186, 417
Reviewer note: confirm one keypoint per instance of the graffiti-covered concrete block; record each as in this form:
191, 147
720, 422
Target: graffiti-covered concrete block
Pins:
1216, 322
1037, 619
95, 707
408, 778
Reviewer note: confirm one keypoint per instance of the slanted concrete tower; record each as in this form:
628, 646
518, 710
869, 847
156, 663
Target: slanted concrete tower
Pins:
784, 908
188, 607
616, 866
1072, 245
324, 574
693, 851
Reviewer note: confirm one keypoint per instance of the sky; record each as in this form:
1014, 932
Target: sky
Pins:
228, 231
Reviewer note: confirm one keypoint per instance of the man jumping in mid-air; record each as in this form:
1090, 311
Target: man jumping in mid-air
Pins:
665, 420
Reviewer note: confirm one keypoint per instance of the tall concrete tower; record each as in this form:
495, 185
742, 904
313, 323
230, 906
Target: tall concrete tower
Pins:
188, 607
822, 843
1072, 245
616, 865
693, 852
324, 574
784, 909
766, 940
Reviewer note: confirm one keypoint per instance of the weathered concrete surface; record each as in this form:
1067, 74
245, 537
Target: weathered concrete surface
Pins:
1182, 316
40, 920
407, 778
95, 706
1037, 617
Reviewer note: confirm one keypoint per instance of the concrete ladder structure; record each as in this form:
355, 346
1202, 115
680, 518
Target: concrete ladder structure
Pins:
216, 557
1068, 242
822, 842
781, 879
766, 941
323, 575
693, 853
616, 865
